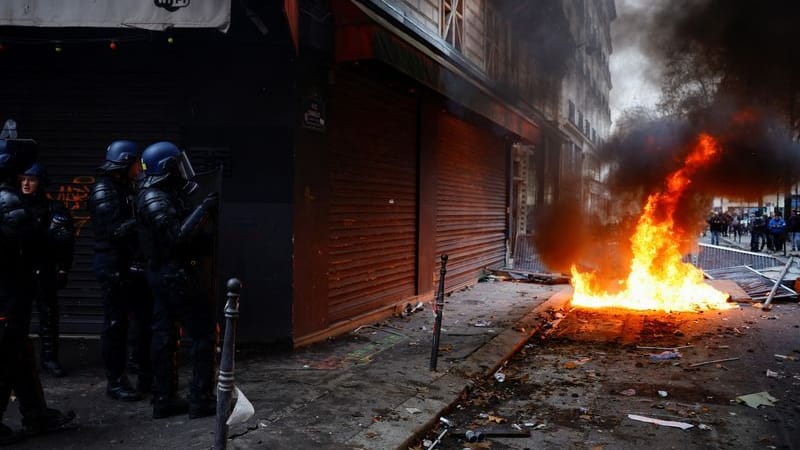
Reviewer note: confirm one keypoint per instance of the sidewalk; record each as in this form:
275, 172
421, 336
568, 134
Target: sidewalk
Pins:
369, 389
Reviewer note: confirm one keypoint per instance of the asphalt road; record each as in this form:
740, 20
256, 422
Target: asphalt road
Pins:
576, 387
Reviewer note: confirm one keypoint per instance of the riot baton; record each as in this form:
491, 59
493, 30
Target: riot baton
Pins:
438, 306
225, 380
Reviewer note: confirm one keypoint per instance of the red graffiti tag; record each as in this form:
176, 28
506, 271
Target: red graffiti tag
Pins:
74, 196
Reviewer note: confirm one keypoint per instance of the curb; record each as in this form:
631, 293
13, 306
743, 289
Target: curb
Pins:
446, 390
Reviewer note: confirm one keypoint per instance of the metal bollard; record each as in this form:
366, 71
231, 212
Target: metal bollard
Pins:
438, 306
226, 365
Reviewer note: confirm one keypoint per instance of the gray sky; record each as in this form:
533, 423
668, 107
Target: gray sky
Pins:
634, 77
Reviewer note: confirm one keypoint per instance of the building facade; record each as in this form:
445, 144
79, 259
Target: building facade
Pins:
361, 140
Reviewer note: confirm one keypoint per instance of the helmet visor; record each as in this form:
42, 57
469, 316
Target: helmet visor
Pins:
185, 167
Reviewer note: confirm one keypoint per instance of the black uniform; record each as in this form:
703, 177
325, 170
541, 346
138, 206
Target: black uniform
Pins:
53, 245
18, 370
124, 292
170, 238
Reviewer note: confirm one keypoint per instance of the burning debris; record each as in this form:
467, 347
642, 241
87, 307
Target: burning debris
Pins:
658, 278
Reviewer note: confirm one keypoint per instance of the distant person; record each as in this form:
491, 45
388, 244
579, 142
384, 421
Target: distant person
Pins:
716, 225
794, 230
758, 238
777, 229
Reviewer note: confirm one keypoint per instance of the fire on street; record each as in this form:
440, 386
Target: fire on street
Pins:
578, 386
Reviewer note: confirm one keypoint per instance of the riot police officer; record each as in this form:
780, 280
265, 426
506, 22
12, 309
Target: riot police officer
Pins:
53, 243
115, 234
18, 370
171, 239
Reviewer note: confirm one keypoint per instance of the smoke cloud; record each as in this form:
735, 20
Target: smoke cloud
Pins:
751, 49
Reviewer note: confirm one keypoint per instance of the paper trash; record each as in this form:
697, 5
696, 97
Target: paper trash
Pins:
666, 423
757, 399
242, 409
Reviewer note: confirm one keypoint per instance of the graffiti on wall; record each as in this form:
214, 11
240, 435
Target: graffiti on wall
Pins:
74, 196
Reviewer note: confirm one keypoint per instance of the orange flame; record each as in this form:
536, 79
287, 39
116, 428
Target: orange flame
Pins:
658, 279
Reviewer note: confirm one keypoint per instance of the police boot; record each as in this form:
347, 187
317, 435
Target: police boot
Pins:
166, 406
48, 420
120, 389
52, 367
202, 405
49, 341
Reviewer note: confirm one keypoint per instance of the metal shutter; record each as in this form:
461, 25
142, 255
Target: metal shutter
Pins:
471, 219
74, 109
373, 189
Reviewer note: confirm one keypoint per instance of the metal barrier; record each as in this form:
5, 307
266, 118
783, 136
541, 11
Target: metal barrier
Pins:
526, 257
756, 285
711, 257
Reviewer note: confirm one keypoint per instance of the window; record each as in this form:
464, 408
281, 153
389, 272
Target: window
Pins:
580, 121
571, 112
453, 22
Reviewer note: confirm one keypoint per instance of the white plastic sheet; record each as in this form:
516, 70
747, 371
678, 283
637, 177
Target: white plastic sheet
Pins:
242, 409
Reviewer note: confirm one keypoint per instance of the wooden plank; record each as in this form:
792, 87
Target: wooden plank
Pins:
737, 294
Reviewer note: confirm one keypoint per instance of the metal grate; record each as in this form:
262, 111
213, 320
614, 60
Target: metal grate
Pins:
751, 281
525, 256
711, 257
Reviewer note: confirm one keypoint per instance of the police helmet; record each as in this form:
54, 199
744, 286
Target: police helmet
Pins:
164, 159
37, 170
120, 155
160, 159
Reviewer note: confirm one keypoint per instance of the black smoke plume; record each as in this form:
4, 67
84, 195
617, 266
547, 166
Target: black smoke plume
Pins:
751, 49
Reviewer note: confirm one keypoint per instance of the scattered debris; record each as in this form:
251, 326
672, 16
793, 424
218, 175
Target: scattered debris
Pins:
704, 363
771, 374
499, 376
492, 431
785, 357
413, 411
703, 426
628, 392
482, 323
665, 355
438, 440
473, 436
757, 399
496, 419
576, 363
640, 347
666, 423
662, 394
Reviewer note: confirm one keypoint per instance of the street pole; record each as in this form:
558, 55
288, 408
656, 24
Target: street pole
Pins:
438, 306
225, 380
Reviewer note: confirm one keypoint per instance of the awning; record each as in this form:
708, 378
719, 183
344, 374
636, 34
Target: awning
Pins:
145, 14
373, 41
